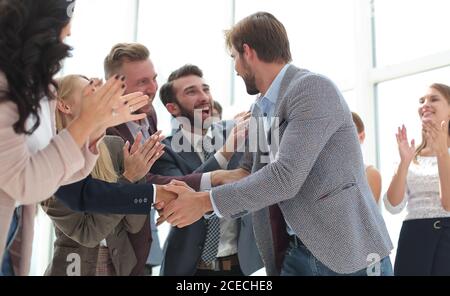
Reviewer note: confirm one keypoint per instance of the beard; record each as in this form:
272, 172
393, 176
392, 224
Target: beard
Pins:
250, 84
190, 115
249, 80
184, 112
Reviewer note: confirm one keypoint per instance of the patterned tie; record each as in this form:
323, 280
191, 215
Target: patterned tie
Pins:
207, 148
211, 245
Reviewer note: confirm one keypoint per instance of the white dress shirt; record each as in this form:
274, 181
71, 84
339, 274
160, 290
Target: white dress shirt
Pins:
228, 228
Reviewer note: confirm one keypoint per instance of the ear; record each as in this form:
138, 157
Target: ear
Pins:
362, 137
173, 109
248, 52
63, 107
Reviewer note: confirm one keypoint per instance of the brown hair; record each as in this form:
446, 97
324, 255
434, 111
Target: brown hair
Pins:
121, 53
263, 33
444, 90
166, 92
358, 122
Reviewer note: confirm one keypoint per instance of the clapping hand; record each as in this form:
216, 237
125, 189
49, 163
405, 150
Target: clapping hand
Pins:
406, 150
436, 136
139, 159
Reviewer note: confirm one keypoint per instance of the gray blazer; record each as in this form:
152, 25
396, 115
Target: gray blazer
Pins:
318, 180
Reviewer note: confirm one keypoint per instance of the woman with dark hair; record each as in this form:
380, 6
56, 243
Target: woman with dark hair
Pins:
422, 184
34, 159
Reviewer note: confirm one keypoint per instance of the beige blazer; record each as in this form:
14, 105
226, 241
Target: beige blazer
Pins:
31, 178
81, 233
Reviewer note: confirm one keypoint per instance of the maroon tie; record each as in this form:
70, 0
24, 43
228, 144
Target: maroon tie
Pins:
279, 234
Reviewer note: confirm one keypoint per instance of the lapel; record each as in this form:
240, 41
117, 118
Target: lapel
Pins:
153, 122
279, 112
125, 133
190, 157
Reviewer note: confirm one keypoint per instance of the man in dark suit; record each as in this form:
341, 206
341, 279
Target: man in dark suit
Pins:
228, 246
132, 60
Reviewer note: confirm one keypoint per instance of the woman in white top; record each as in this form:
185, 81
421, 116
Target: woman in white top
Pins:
34, 160
422, 184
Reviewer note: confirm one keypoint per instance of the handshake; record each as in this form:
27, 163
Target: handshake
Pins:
180, 205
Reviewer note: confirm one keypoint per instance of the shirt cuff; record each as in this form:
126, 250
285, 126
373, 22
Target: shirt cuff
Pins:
223, 162
205, 183
391, 208
216, 211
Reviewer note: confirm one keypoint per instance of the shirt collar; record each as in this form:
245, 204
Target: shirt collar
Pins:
274, 90
143, 123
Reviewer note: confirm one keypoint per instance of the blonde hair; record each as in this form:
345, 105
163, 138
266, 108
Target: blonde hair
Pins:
104, 169
66, 87
121, 53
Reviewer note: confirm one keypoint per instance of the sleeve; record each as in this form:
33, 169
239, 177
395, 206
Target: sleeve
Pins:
315, 112
211, 164
84, 228
166, 169
91, 195
90, 160
30, 178
398, 208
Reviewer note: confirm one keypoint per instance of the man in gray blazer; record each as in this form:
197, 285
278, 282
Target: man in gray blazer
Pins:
313, 211
233, 252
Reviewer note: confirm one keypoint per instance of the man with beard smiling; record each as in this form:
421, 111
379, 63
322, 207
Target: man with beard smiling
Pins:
132, 60
210, 246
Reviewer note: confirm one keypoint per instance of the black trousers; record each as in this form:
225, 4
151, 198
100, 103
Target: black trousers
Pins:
424, 248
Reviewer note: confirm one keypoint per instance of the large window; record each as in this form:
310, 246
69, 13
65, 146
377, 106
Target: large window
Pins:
188, 32
408, 29
97, 26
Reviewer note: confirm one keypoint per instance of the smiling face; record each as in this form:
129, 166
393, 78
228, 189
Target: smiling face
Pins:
141, 77
192, 93
434, 106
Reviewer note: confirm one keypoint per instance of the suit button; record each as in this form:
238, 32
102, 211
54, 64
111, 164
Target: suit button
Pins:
114, 252
135, 200
145, 200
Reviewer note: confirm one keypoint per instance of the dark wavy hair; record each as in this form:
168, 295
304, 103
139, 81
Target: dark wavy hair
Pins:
31, 52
